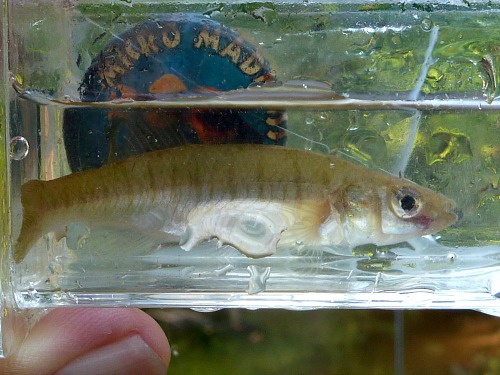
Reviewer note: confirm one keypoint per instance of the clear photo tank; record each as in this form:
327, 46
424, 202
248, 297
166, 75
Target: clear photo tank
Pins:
409, 88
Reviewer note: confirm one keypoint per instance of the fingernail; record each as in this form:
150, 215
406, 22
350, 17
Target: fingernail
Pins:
128, 356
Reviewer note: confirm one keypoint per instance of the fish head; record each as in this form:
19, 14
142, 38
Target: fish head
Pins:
393, 210
409, 210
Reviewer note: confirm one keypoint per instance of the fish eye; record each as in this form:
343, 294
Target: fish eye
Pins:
406, 203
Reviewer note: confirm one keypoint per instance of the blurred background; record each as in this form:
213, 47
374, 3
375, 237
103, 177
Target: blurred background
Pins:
324, 342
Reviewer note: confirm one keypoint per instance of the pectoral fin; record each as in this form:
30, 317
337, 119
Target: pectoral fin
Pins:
252, 228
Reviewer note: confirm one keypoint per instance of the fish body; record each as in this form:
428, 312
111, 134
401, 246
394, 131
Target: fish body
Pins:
252, 197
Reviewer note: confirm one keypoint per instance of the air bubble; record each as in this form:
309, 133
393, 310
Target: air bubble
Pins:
451, 257
175, 352
426, 24
19, 148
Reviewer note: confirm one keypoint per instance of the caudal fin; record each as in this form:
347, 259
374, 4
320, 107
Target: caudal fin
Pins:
31, 229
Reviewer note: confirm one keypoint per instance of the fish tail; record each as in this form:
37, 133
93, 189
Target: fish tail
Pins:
32, 194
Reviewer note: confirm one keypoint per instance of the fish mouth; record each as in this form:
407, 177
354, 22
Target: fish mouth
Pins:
459, 214
447, 215
451, 214
454, 213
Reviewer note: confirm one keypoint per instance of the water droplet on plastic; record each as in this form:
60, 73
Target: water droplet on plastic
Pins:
309, 121
426, 24
17, 82
19, 148
258, 279
451, 257
224, 270
33, 294
14, 80
206, 309
495, 287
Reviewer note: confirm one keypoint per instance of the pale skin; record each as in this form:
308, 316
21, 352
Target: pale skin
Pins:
92, 340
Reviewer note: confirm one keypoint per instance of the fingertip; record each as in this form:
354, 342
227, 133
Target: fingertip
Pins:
65, 335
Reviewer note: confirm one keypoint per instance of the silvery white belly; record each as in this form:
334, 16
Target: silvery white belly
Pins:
254, 227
